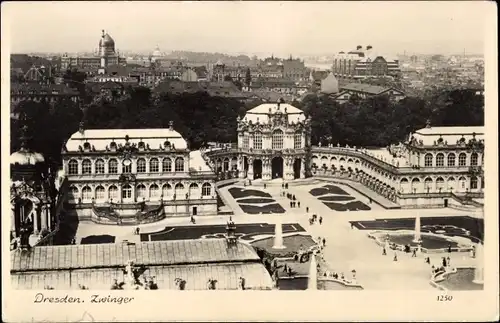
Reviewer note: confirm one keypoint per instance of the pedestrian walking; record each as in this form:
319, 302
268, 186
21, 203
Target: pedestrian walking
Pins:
395, 257
320, 220
448, 259
449, 248
324, 242
307, 209
265, 185
298, 204
352, 225
414, 252
384, 252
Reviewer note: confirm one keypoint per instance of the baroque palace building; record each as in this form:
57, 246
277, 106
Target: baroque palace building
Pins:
434, 167
273, 141
136, 176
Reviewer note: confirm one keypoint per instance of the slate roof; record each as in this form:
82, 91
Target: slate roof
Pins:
196, 277
94, 256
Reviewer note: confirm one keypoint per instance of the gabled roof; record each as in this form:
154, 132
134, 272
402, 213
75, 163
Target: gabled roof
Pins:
366, 88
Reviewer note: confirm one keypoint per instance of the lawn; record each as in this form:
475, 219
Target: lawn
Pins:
351, 206
198, 231
105, 238
238, 192
336, 198
452, 225
256, 200
332, 189
266, 209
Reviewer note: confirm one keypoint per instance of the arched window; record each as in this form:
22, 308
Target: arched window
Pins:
473, 183
73, 193
154, 165
113, 192
86, 194
100, 193
451, 160
428, 160
179, 164
166, 190
73, 167
194, 190
206, 189
154, 192
277, 139
226, 164
297, 140
179, 190
415, 185
167, 165
99, 166
257, 140
404, 185
428, 184
439, 183
141, 165
87, 166
141, 191
126, 191
461, 184
473, 160
451, 184
439, 160
234, 163
113, 166
462, 159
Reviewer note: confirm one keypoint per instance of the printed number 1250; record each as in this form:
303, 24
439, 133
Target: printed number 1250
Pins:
444, 298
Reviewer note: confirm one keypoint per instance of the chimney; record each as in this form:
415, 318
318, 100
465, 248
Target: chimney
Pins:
369, 47
359, 47
171, 125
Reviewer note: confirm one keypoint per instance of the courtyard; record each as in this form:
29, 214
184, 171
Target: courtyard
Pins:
347, 244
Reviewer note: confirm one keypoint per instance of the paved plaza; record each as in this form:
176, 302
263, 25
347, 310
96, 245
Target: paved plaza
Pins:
347, 246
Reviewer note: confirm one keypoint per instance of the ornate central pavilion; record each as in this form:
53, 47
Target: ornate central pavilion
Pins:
273, 142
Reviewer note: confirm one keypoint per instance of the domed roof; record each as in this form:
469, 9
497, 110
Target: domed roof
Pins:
330, 84
157, 52
106, 40
264, 113
24, 157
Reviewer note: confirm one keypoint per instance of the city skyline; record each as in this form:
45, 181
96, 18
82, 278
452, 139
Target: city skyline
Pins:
432, 28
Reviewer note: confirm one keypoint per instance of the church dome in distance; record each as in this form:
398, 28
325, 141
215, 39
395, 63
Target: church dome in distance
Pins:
157, 52
330, 84
106, 40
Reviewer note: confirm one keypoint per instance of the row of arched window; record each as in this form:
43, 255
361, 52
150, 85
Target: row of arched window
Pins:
440, 184
166, 166
450, 160
277, 140
154, 192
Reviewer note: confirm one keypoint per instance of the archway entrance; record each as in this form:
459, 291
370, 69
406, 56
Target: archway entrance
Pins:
296, 168
277, 167
257, 169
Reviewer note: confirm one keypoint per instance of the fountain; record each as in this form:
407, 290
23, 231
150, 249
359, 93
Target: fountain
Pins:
278, 236
417, 238
479, 270
312, 283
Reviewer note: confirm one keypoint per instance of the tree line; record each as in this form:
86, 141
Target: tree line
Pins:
201, 118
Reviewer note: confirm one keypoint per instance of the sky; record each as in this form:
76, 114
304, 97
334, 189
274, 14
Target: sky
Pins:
300, 28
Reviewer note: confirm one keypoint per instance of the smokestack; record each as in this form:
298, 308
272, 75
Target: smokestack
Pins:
359, 47
369, 47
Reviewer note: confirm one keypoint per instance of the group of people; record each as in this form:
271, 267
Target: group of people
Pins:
315, 218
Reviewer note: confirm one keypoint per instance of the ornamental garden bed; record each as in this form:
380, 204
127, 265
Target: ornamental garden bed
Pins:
351, 206
237, 193
266, 209
256, 200
336, 198
332, 189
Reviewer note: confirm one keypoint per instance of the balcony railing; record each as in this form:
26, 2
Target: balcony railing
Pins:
140, 176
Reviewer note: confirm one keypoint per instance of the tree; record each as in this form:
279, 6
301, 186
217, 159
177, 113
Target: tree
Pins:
248, 77
228, 78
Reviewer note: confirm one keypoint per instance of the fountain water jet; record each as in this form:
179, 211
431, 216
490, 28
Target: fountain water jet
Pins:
417, 238
312, 283
479, 270
278, 236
